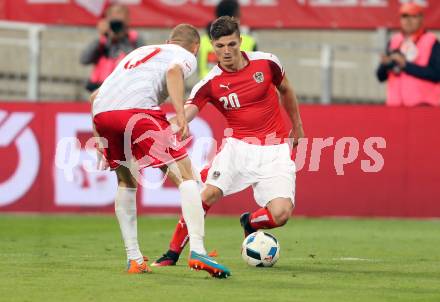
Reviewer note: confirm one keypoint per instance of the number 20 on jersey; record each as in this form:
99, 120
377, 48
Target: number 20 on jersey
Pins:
230, 101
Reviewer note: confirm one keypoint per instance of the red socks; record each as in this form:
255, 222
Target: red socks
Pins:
180, 236
262, 219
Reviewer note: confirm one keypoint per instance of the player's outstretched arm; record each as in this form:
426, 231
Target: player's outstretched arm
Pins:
93, 96
102, 163
176, 88
92, 99
290, 103
191, 111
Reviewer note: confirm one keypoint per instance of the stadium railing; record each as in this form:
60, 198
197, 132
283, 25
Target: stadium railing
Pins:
325, 66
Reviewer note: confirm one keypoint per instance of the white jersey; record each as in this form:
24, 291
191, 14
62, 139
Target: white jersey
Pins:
139, 80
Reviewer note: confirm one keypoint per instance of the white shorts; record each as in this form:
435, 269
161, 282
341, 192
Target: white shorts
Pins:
268, 169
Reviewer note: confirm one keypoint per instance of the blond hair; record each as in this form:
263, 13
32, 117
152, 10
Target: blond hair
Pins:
184, 35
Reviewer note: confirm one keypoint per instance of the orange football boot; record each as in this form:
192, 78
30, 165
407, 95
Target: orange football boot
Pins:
134, 268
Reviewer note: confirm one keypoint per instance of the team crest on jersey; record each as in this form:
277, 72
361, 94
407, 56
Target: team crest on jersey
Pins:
259, 77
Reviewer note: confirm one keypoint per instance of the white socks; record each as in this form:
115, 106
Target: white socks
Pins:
125, 209
193, 214
192, 210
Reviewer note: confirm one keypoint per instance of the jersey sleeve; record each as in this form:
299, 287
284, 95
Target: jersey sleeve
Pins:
277, 69
187, 62
200, 94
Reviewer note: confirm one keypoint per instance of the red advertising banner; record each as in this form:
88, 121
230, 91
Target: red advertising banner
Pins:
347, 14
355, 161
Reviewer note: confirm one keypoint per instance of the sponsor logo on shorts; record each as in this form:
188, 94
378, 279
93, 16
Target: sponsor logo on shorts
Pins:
216, 174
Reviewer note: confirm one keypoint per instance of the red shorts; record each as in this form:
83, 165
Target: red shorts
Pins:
138, 134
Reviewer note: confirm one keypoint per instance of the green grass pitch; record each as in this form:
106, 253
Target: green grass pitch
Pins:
81, 258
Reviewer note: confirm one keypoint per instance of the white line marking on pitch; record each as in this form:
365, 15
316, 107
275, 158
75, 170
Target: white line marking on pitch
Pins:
332, 259
353, 259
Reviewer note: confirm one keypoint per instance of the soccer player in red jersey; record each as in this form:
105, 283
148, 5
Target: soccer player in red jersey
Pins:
246, 87
126, 114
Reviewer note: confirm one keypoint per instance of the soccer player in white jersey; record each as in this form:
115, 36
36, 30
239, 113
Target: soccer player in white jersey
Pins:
127, 117
244, 87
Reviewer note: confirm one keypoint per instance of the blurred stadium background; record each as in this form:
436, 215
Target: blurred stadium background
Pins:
42, 62
330, 50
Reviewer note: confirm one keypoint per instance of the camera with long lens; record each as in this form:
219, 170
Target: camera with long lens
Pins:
393, 66
116, 26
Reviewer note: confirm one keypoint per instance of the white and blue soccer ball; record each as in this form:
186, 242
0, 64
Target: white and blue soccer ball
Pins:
260, 249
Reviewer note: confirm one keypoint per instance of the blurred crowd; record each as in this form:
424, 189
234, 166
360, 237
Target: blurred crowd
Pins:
410, 67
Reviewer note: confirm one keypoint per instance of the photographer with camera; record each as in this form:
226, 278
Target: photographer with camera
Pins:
412, 62
115, 41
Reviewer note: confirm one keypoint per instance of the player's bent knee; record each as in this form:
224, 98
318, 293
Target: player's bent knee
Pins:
213, 197
126, 180
281, 210
182, 170
283, 217
211, 194
124, 184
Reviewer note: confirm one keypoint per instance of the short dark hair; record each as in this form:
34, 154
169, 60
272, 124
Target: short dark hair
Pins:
229, 8
224, 26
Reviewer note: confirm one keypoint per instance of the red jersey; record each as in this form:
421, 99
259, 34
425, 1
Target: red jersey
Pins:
247, 98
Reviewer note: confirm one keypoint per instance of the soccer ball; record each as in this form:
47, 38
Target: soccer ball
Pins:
260, 249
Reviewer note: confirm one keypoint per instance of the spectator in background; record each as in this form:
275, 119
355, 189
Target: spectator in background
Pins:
115, 41
206, 57
412, 62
